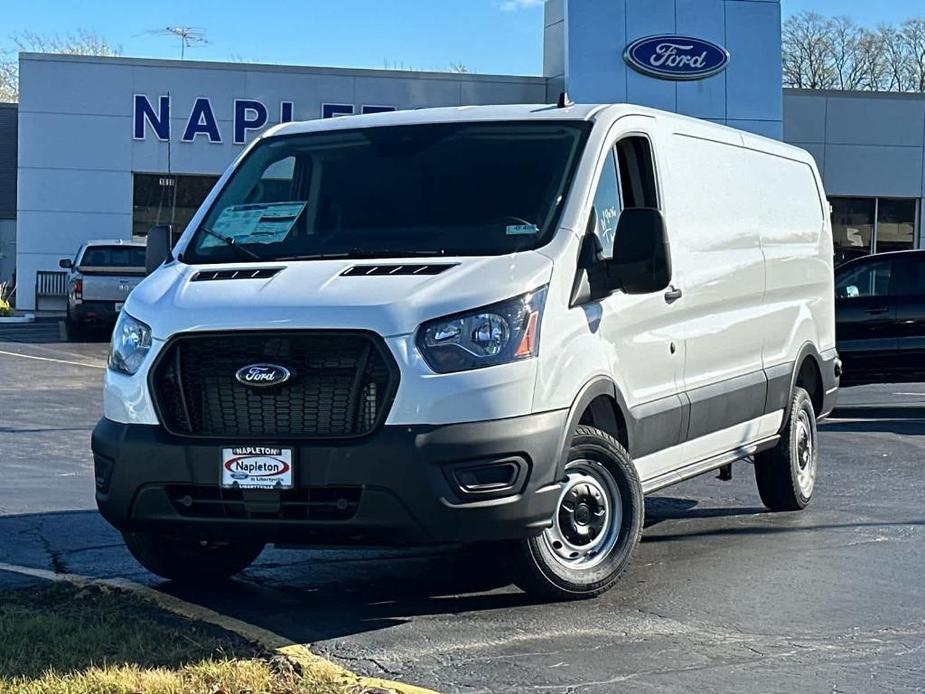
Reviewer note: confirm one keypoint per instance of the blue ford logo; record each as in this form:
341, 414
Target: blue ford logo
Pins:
263, 375
676, 57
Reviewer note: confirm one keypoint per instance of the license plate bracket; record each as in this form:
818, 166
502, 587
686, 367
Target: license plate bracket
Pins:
256, 467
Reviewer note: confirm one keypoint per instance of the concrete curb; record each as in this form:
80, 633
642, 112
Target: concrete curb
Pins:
298, 653
26, 318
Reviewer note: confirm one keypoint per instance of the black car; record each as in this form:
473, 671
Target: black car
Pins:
880, 318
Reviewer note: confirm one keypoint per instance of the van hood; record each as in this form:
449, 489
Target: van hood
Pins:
318, 294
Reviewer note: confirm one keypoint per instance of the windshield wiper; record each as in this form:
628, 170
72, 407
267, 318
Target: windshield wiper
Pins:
393, 253
230, 242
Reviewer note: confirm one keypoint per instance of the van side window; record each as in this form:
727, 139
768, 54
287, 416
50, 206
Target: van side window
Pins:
277, 183
637, 172
607, 206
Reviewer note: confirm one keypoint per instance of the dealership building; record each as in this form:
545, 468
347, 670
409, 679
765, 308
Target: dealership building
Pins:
104, 148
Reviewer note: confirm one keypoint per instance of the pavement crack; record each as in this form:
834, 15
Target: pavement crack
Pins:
369, 659
92, 548
54, 556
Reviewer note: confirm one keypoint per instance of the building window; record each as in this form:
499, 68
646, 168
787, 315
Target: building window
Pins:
895, 225
852, 227
861, 226
166, 199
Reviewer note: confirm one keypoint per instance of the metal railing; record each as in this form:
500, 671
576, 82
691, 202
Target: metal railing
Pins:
50, 290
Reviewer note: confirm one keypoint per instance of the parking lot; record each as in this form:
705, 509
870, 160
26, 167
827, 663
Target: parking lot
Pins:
720, 595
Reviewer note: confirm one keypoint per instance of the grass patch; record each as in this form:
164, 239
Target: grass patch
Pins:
60, 639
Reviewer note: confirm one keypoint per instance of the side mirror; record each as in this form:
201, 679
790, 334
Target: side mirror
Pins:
66, 263
160, 243
641, 262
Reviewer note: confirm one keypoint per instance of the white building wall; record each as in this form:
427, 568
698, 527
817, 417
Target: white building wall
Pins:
77, 152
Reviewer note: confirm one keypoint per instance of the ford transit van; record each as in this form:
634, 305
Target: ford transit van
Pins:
485, 324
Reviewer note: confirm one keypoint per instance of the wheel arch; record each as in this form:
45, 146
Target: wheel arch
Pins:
600, 404
807, 373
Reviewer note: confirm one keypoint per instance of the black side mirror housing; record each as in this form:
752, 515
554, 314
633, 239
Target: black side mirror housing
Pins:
66, 263
641, 262
159, 246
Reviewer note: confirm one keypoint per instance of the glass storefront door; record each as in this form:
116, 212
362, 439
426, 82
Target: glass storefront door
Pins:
167, 199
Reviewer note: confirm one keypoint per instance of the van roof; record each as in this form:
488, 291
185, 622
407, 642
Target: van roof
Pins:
453, 114
527, 112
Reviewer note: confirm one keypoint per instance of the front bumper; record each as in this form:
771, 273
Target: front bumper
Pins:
401, 485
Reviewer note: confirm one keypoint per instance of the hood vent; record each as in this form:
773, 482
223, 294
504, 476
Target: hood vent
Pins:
240, 274
380, 270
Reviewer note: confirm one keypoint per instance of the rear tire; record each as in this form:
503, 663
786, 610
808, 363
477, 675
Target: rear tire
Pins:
190, 561
74, 331
786, 474
597, 526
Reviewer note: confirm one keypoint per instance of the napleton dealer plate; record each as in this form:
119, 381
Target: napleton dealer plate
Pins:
257, 467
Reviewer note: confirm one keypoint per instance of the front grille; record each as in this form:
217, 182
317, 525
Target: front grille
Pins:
314, 503
341, 385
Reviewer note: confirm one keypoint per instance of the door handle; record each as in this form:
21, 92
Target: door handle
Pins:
877, 311
672, 295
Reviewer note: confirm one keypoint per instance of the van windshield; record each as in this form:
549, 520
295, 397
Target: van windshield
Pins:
422, 190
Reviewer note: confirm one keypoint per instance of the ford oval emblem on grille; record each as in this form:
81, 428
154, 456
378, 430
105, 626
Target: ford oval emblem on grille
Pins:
263, 375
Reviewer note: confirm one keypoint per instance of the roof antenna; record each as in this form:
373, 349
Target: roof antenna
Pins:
564, 101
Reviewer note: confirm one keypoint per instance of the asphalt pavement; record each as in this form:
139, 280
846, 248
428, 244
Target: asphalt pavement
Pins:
721, 595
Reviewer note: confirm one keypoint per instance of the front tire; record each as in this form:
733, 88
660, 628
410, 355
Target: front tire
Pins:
190, 561
597, 525
786, 474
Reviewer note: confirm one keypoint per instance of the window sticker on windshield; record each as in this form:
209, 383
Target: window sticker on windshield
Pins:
258, 223
521, 229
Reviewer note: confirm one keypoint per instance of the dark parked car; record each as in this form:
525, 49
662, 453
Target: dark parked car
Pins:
880, 318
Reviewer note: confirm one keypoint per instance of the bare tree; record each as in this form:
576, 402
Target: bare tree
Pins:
912, 36
845, 40
837, 53
807, 43
872, 66
458, 67
80, 42
898, 77
9, 77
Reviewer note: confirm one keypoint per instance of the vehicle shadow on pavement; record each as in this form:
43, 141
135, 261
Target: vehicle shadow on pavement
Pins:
319, 594
662, 508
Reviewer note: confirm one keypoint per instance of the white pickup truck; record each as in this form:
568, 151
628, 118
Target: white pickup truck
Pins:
101, 275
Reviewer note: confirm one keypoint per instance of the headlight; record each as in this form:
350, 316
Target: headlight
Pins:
496, 334
131, 341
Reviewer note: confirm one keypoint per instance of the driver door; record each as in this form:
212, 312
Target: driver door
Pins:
640, 330
865, 319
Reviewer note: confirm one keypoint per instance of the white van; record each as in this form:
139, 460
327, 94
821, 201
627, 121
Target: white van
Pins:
502, 323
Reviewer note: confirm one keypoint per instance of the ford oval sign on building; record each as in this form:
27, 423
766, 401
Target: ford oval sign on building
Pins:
676, 57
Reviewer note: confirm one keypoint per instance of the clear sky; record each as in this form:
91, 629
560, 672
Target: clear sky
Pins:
488, 36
